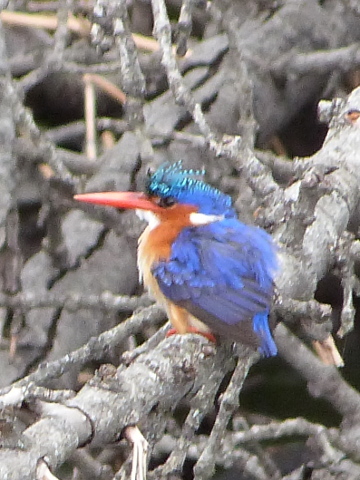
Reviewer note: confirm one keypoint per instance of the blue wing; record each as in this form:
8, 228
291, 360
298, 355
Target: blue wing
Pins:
222, 273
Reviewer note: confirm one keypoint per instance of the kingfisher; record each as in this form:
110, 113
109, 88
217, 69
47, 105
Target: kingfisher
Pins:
213, 274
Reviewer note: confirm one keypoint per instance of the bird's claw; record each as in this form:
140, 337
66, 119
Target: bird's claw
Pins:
207, 335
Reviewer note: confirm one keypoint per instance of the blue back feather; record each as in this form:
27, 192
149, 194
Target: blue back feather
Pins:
222, 272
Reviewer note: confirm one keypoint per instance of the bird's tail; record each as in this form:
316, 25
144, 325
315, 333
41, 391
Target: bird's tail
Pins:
261, 328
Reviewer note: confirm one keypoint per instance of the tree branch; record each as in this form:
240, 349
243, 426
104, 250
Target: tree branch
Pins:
158, 379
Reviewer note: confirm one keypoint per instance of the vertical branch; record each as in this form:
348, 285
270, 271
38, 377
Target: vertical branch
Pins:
133, 81
162, 32
62, 29
132, 78
239, 74
201, 405
53, 59
258, 176
90, 117
229, 402
184, 26
7, 136
10, 256
25, 122
346, 266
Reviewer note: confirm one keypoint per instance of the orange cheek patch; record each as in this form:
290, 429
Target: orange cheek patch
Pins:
178, 215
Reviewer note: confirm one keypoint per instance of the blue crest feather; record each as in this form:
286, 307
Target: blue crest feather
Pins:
187, 186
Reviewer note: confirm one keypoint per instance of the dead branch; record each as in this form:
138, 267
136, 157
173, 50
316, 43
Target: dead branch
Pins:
158, 379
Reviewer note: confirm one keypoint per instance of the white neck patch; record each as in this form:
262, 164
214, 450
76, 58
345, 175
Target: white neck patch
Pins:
149, 217
198, 219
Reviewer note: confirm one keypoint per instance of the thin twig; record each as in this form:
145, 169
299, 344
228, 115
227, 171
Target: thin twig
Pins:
346, 267
322, 62
130, 355
162, 32
25, 122
43, 471
50, 22
132, 80
184, 26
62, 29
324, 381
93, 350
90, 117
107, 301
258, 176
328, 352
229, 402
201, 405
108, 87
140, 449
290, 428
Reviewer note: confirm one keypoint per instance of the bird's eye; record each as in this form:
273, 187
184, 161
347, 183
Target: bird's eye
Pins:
166, 202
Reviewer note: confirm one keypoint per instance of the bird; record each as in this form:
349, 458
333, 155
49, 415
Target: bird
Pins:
213, 274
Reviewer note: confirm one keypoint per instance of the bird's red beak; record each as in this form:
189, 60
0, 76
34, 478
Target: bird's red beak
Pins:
134, 200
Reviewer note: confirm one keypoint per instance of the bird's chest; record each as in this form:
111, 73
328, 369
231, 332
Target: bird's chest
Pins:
154, 246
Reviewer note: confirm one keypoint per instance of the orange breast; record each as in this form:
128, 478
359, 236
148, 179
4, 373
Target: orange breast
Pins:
155, 243
154, 246
151, 251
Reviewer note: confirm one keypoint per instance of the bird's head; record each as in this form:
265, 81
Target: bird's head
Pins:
170, 192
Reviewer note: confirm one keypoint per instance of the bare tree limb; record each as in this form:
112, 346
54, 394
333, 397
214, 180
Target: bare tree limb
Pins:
343, 59
177, 367
93, 350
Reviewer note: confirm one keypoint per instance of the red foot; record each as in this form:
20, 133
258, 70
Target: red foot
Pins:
207, 335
